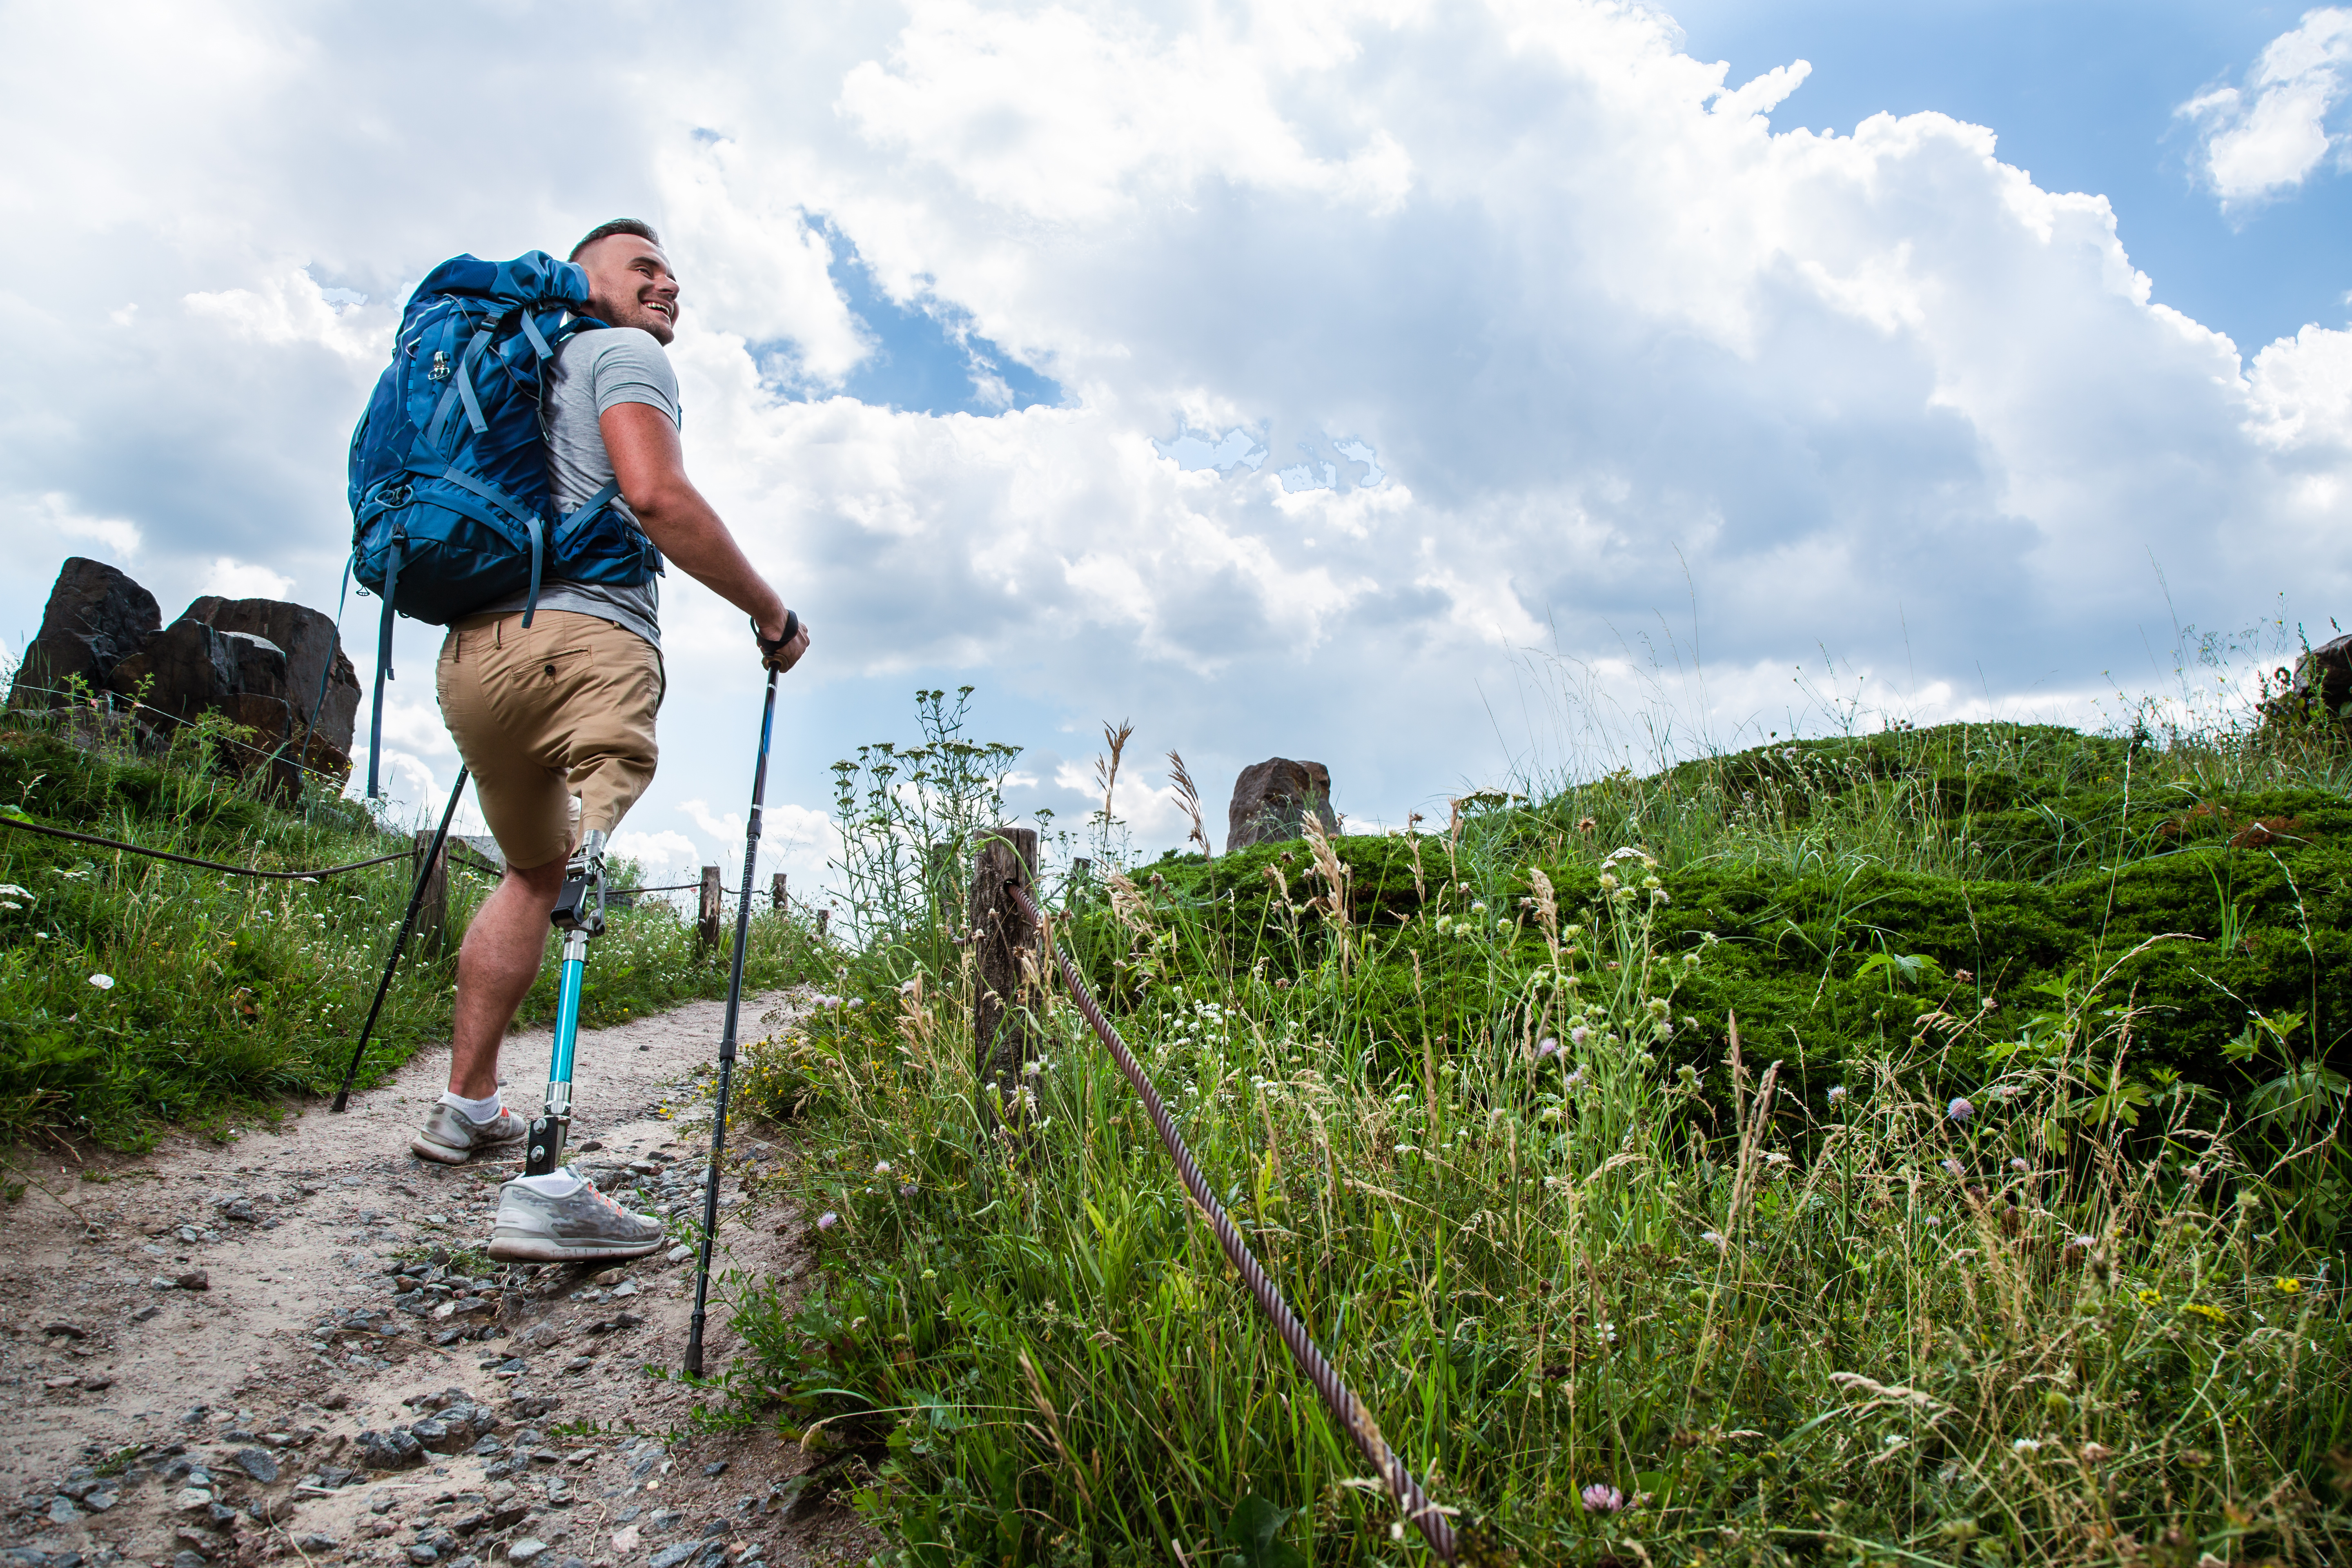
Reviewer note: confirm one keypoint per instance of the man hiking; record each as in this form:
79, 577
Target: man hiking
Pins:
556, 718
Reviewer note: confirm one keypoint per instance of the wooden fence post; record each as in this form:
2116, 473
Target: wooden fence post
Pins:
433, 911
1001, 936
706, 932
776, 892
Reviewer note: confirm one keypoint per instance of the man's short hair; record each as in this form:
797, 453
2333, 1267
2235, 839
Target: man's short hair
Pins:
637, 226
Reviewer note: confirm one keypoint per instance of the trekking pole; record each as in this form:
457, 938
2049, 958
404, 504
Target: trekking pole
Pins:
415, 902
727, 1037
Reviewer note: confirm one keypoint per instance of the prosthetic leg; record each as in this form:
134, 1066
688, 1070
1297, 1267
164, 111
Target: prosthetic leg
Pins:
579, 915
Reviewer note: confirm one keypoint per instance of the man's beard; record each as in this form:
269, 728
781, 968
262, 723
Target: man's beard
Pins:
635, 313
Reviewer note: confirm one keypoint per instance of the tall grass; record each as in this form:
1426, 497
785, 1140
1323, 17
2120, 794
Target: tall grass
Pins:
136, 992
1622, 1284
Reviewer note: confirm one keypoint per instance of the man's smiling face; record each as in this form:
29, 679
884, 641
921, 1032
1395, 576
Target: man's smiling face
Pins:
630, 285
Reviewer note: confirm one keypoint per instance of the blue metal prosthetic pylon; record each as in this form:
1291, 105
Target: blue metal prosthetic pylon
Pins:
580, 915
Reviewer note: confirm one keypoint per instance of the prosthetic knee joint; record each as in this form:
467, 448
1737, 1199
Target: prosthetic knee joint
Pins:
579, 915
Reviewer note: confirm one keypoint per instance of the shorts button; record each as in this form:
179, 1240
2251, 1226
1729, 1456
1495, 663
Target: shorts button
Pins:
551, 670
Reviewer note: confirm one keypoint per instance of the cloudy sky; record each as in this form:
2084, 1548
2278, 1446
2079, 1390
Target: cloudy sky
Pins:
1443, 391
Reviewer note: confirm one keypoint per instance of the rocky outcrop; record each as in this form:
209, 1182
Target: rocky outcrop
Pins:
1271, 801
182, 671
258, 663
312, 654
97, 618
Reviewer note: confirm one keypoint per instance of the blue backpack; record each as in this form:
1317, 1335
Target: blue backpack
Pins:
450, 509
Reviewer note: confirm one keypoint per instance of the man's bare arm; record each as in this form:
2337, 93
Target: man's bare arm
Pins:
650, 466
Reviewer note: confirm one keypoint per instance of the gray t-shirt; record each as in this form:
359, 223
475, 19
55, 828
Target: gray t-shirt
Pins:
595, 370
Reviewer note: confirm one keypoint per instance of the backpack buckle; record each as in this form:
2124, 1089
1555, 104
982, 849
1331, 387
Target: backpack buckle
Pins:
394, 499
440, 371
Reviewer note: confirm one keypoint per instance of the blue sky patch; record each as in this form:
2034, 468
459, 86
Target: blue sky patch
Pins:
1237, 447
925, 358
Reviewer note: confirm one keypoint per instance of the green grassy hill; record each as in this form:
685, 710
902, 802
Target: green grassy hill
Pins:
1850, 888
2031, 1249
136, 992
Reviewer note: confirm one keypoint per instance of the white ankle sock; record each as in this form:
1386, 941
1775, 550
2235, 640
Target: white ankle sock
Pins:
478, 1111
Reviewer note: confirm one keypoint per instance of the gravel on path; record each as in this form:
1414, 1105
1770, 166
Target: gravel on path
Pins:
290, 1345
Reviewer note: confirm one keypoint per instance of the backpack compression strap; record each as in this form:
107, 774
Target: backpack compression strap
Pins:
383, 669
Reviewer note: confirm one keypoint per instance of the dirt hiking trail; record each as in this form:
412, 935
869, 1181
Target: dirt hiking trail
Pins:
291, 1347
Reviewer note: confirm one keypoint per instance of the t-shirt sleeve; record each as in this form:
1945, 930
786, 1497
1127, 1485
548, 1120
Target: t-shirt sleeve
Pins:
632, 368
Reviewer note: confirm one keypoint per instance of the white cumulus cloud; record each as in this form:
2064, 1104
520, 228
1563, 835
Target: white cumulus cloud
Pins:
2266, 138
1569, 345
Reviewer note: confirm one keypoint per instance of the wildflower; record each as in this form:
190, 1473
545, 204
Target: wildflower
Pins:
2209, 1313
104, 982
10, 890
1576, 1078
2086, 1242
2094, 1452
1546, 1047
1600, 1499
1585, 825
827, 1220
10, 904
2150, 1297
1837, 1092
906, 1189
881, 1167
2287, 1286
1579, 1036
1953, 1166
2027, 1445
1960, 1110
930, 1273
1713, 1237
2021, 1163
1478, 909
1933, 1221
1688, 1075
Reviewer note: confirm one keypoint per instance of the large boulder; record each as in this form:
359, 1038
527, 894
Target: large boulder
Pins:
264, 665
312, 654
1271, 801
182, 671
97, 618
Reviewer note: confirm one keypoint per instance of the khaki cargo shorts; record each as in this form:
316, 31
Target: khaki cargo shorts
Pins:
556, 720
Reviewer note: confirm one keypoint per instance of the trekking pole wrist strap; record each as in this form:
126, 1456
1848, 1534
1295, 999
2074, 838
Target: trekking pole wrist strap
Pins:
792, 630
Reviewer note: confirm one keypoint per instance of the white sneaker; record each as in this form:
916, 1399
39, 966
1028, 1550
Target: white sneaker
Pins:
563, 1218
450, 1137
